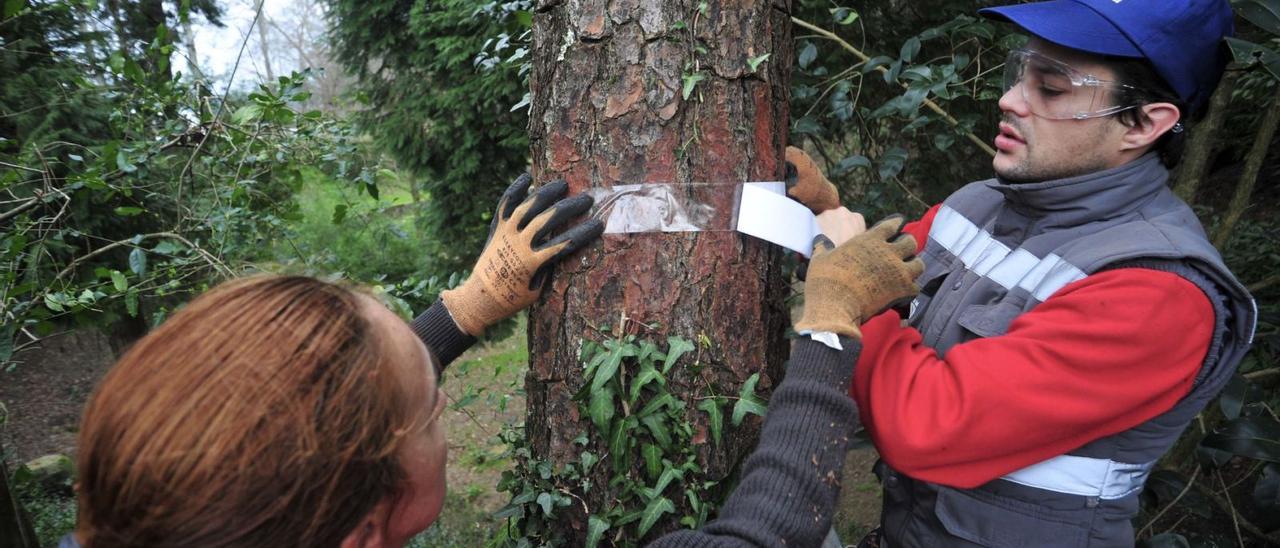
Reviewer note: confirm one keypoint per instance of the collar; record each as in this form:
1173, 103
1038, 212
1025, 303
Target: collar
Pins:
1090, 197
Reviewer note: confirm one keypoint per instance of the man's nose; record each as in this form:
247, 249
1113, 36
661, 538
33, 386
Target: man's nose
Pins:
1013, 101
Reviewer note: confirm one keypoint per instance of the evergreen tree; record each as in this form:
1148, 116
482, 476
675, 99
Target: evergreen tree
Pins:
441, 105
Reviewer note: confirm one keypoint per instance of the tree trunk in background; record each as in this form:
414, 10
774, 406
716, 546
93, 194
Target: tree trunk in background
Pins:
1201, 141
1252, 166
607, 109
264, 43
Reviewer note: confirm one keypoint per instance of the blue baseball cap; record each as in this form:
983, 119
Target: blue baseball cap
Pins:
1181, 38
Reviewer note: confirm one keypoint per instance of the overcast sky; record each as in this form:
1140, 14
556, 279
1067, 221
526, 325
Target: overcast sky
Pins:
218, 47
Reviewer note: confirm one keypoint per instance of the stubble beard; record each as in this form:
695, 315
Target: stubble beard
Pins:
1030, 169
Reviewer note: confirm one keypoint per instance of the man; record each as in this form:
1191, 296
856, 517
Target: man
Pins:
1073, 317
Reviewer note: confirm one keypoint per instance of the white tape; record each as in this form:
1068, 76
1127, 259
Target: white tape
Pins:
775, 218
762, 210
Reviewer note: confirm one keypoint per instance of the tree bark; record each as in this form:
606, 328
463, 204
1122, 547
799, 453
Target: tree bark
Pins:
1200, 143
1252, 166
264, 44
608, 109
15, 528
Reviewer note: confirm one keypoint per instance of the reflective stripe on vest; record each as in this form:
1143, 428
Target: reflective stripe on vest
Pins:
985, 256
1085, 476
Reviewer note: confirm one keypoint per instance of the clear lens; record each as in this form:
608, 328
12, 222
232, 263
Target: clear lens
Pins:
1054, 90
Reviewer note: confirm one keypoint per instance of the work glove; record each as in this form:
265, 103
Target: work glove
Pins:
806, 183
518, 258
848, 284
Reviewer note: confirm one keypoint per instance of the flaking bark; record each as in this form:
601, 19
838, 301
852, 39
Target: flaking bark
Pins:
607, 109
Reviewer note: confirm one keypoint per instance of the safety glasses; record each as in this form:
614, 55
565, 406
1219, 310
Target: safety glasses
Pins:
1055, 90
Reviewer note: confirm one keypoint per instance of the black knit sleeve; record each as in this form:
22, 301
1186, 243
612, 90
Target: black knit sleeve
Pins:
437, 329
791, 482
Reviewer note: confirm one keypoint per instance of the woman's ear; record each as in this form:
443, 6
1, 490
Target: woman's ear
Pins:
1154, 121
371, 531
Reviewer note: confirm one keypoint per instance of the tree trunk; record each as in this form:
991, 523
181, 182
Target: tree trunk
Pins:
1200, 143
15, 528
608, 109
1252, 166
264, 43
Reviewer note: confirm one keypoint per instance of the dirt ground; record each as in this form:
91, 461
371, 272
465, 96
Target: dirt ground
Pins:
46, 392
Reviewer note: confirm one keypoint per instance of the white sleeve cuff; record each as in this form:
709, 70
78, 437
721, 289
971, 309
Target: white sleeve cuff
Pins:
825, 337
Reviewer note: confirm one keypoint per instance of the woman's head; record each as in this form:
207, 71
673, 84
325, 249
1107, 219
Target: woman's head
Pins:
271, 411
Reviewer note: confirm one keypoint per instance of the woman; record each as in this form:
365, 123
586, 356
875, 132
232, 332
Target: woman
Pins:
288, 411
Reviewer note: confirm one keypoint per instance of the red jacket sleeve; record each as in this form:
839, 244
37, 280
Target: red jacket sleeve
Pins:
1102, 355
920, 229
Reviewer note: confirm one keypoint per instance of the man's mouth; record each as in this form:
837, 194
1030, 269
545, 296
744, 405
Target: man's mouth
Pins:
1008, 139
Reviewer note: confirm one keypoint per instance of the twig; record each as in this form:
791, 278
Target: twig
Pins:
16, 166
1171, 504
1235, 517
1244, 524
927, 102
213, 261
1265, 283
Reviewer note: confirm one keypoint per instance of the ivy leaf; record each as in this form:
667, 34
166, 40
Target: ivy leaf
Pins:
844, 16
850, 163
715, 418
1263, 13
122, 162
7, 331
588, 460
12, 7
619, 442
668, 475
339, 213
807, 126
909, 49
807, 54
1166, 485
601, 409
658, 429
690, 82
1253, 437
1246, 53
52, 303
754, 62
133, 71
657, 403
647, 375
876, 62
611, 364
138, 261
119, 281
596, 525
892, 162
654, 510
652, 459
748, 402
676, 347
547, 503
1232, 399
131, 302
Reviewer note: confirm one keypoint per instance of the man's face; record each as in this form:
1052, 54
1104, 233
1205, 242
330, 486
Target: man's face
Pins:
1030, 148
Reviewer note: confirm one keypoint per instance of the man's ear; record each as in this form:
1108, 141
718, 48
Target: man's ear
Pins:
371, 531
1155, 120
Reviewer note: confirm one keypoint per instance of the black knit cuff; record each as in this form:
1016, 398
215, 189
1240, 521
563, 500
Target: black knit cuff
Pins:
437, 329
813, 360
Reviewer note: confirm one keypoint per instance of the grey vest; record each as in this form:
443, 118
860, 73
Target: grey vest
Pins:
995, 251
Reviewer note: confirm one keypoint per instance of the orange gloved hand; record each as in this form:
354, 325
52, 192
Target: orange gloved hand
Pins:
518, 258
848, 284
806, 183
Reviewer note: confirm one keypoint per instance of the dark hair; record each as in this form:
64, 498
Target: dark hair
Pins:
1149, 87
